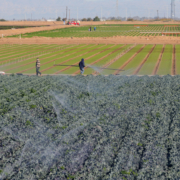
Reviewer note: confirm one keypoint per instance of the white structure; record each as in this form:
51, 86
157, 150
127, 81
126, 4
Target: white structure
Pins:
172, 9
49, 20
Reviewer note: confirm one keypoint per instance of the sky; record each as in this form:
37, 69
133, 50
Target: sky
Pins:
49, 9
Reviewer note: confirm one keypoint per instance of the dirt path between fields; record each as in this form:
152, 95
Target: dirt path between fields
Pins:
95, 40
70, 59
128, 61
173, 71
158, 62
144, 60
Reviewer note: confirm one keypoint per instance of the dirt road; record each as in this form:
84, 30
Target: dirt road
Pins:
109, 40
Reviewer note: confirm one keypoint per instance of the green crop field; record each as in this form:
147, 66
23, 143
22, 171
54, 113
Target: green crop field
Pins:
146, 58
105, 31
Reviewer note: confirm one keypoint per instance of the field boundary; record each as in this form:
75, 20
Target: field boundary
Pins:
159, 61
129, 60
144, 60
173, 70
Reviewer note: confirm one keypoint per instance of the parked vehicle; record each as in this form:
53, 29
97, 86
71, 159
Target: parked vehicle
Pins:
74, 23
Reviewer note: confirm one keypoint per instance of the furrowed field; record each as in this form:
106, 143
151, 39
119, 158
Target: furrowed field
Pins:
132, 59
108, 31
93, 127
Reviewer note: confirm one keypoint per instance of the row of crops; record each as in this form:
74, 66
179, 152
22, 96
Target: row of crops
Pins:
16, 27
92, 127
21, 58
104, 31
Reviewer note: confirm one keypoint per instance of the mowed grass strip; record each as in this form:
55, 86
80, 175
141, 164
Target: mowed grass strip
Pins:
101, 62
29, 63
124, 58
166, 62
47, 63
133, 65
149, 65
177, 57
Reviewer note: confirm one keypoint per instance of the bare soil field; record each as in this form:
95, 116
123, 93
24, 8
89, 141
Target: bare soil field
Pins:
94, 40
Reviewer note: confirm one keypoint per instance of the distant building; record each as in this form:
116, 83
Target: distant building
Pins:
51, 20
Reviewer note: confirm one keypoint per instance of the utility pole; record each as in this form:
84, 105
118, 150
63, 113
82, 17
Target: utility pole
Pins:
77, 14
126, 14
66, 12
117, 8
157, 14
101, 13
31, 16
69, 15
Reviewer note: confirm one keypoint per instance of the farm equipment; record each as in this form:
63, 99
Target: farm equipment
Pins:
74, 23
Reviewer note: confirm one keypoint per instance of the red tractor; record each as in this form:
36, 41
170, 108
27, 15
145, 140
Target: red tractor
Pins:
74, 23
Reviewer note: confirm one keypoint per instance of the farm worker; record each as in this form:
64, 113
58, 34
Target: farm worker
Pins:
94, 28
38, 67
90, 28
81, 66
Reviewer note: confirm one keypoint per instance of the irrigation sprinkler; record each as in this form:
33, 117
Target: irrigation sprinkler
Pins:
91, 67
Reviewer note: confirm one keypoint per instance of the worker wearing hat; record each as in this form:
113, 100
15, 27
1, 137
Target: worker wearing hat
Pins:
81, 65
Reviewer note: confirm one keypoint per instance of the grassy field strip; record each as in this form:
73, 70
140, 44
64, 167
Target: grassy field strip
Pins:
24, 53
144, 60
50, 55
122, 51
158, 62
177, 57
70, 70
47, 63
102, 56
108, 59
49, 66
141, 47
166, 62
7, 48
94, 54
28, 56
49, 59
150, 63
52, 69
136, 61
173, 69
126, 55
12, 50
76, 62
94, 57
22, 48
